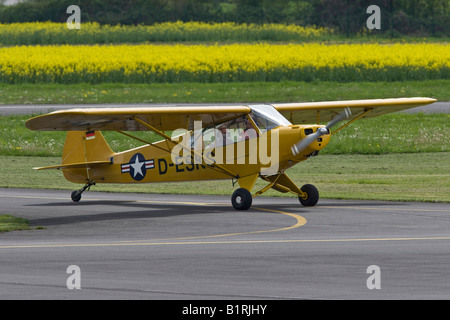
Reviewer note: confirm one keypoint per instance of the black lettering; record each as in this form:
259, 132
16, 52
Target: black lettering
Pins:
190, 167
160, 166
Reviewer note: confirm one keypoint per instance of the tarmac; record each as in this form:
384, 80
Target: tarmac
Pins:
180, 247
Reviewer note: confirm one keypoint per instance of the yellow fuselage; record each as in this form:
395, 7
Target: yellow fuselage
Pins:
154, 162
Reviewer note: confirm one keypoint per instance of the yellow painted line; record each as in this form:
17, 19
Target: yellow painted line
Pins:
385, 209
217, 203
300, 221
112, 244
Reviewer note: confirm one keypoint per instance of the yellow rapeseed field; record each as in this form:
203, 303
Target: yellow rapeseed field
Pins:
44, 33
218, 63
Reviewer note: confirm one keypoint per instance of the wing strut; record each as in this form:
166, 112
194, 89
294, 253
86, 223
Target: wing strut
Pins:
351, 121
167, 138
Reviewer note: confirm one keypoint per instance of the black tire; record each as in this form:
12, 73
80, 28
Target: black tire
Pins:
241, 199
312, 195
76, 196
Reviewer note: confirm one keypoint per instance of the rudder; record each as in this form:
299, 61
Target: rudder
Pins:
84, 147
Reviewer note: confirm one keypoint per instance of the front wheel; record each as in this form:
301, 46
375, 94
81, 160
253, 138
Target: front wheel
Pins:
312, 195
241, 199
76, 196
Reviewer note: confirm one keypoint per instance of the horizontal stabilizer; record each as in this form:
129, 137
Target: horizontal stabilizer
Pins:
90, 164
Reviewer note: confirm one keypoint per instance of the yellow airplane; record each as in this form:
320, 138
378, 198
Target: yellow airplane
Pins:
242, 143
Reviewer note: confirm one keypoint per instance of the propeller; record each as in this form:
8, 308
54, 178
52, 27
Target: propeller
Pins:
304, 143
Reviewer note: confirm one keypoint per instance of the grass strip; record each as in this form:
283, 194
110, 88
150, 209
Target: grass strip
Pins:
11, 223
239, 92
392, 133
401, 177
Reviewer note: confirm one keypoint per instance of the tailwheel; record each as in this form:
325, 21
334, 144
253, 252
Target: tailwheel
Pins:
241, 199
311, 195
76, 195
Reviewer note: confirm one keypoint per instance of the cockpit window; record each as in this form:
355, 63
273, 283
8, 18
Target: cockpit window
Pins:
223, 133
267, 117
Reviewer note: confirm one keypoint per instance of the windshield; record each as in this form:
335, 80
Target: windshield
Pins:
267, 117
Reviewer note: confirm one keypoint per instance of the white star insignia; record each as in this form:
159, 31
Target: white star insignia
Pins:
137, 166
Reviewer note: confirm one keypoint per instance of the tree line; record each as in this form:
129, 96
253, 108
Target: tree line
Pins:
398, 17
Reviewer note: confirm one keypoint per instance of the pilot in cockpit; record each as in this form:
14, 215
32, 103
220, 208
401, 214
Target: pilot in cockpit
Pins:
249, 131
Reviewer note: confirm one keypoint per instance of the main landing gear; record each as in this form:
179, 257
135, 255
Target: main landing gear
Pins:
308, 195
241, 199
76, 195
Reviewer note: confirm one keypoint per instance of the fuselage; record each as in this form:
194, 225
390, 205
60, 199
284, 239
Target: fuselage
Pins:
266, 154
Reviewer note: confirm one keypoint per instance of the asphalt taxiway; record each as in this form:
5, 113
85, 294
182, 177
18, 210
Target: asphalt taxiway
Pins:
147, 246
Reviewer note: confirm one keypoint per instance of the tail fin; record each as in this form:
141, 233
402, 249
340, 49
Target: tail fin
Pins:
83, 146
82, 151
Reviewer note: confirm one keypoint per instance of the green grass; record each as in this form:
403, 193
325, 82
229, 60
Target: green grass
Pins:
401, 157
401, 177
392, 133
241, 92
10, 223
397, 161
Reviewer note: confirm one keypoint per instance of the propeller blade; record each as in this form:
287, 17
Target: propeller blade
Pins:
298, 147
339, 117
304, 143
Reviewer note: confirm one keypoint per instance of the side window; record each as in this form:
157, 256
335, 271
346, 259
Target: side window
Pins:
263, 123
222, 134
227, 132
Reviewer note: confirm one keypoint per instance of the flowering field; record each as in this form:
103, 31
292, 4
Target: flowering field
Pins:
223, 63
45, 33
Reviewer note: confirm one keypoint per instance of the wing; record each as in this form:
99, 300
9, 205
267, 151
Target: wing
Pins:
172, 118
316, 112
124, 119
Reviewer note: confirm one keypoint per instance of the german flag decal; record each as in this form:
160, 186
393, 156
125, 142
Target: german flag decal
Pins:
90, 135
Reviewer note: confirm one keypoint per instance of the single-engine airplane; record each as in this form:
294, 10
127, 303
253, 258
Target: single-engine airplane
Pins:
242, 143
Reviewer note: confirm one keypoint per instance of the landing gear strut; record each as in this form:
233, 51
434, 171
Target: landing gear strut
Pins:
308, 195
76, 195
